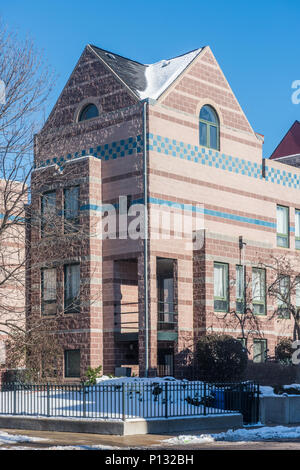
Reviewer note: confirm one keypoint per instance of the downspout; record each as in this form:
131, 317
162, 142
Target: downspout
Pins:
145, 184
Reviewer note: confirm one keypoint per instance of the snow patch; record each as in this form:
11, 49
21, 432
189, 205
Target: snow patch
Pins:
6, 438
161, 74
240, 435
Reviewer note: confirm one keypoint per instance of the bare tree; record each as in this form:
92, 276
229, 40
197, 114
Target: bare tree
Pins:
243, 317
283, 288
26, 84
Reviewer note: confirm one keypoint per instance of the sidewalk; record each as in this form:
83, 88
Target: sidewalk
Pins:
84, 439
53, 440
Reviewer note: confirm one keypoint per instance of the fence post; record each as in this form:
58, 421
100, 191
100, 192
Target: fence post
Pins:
257, 409
204, 401
123, 402
84, 402
15, 400
48, 400
166, 399
240, 399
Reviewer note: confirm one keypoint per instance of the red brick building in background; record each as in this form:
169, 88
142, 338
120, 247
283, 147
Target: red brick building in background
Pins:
173, 137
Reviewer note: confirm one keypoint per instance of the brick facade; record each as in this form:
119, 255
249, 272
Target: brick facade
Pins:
104, 157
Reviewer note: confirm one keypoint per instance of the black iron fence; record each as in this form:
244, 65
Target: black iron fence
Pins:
134, 399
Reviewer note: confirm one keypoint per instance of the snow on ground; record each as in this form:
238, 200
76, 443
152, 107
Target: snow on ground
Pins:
6, 438
13, 439
96, 447
107, 380
269, 391
140, 397
295, 386
240, 435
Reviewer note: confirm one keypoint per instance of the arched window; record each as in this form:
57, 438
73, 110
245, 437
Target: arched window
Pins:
88, 112
209, 128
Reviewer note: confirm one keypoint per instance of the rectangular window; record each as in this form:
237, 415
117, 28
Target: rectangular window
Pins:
72, 363
259, 291
259, 350
297, 229
166, 308
297, 287
72, 288
48, 281
240, 288
203, 134
71, 209
283, 226
49, 366
283, 298
221, 287
48, 215
243, 341
213, 137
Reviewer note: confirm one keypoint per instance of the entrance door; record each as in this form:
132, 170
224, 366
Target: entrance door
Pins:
165, 362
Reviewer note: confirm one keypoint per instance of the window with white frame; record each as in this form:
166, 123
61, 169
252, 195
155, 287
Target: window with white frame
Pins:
259, 350
283, 226
259, 291
221, 287
2, 353
297, 288
297, 229
240, 288
283, 296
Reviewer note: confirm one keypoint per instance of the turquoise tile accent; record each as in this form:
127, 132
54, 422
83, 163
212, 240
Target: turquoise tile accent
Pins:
209, 157
184, 151
113, 150
214, 213
191, 208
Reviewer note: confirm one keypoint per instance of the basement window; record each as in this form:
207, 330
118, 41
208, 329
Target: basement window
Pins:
72, 363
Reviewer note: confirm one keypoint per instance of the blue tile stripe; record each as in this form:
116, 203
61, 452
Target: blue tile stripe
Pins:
190, 207
216, 159
203, 156
110, 151
178, 149
14, 218
214, 213
284, 177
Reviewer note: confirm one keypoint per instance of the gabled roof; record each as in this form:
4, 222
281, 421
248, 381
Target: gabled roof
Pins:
146, 80
290, 144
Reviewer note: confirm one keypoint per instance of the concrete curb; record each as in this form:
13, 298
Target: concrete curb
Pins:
282, 409
123, 428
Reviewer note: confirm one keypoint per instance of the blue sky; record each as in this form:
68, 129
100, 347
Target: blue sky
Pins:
255, 42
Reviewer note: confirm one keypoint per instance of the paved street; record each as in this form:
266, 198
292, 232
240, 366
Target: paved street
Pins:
52, 440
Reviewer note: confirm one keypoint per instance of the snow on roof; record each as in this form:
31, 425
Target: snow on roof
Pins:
161, 74
146, 80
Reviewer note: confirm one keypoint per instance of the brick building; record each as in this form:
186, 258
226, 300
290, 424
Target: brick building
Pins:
171, 135
13, 196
